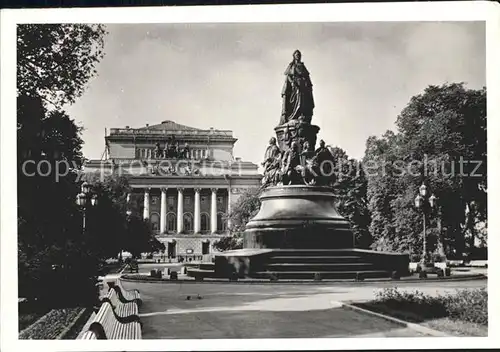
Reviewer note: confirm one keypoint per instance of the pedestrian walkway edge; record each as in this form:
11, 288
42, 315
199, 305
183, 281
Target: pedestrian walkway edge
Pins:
416, 327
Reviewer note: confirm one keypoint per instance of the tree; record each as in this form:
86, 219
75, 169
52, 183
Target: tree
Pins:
112, 227
380, 156
52, 252
245, 208
56, 61
139, 238
438, 130
350, 187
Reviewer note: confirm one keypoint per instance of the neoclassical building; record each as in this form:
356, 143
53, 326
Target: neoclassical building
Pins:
184, 180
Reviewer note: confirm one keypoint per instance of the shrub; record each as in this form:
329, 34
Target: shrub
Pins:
51, 325
466, 305
228, 243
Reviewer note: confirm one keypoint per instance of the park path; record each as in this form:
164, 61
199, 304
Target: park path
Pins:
240, 310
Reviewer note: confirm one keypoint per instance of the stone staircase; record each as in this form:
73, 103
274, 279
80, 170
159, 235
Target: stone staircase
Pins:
303, 264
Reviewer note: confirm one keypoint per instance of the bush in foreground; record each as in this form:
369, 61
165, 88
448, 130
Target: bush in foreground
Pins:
468, 305
465, 305
51, 325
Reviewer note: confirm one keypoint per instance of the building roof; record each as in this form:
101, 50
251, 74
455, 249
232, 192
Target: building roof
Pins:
168, 125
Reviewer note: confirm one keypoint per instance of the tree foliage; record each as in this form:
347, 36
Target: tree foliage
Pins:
244, 209
49, 223
56, 61
440, 140
350, 187
111, 225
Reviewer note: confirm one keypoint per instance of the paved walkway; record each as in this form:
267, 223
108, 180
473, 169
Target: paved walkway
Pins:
238, 310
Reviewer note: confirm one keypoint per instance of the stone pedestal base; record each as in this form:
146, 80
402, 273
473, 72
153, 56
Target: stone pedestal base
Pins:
298, 234
299, 217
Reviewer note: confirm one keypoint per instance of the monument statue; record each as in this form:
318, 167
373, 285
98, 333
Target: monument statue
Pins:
297, 95
271, 151
157, 151
297, 224
291, 160
186, 152
296, 161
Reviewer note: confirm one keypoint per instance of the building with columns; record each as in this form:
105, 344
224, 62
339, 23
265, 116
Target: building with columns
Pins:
184, 181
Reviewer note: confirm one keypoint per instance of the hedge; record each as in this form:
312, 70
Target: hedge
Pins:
51, 325
469, 305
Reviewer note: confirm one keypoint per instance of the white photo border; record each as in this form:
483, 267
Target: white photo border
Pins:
414, 11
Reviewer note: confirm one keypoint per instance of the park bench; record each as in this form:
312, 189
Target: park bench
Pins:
108, 326
127, 310
133, 267
88, 335
127, 295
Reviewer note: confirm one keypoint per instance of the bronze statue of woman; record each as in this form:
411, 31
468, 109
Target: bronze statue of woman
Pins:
297, 93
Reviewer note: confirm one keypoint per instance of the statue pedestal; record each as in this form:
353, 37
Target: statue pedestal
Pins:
296, 131
301, 217
299, 235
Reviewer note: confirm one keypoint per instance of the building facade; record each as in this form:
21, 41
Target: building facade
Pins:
184, 181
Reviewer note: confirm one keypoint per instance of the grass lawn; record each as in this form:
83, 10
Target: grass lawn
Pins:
461, 314
444, 324
457, 327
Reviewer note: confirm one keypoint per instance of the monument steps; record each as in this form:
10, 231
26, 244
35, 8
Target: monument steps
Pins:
347, 252
295, 267
205, 266
315, 259
303, 264
311, 275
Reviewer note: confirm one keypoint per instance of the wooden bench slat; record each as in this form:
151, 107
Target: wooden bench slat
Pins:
129, 310
107, 326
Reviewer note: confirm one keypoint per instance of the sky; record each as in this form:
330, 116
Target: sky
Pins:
229, 76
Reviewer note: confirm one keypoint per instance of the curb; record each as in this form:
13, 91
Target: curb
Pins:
413, 326
307, 282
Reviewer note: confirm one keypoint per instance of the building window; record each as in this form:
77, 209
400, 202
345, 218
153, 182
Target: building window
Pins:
188, 222
171, 222
203, 200
155, 221
205, 220
187, 200
154, 200
205, 248
170, 200
221, 223
219, 200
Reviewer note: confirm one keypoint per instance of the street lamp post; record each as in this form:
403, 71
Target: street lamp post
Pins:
86, 199
426, 203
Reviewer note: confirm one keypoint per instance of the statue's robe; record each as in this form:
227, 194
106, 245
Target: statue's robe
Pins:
271, 152
297, 93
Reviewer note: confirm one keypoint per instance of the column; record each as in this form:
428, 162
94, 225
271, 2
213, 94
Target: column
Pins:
228, 207
180, 210
163, 211
197, 216
146, 203
213, 211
